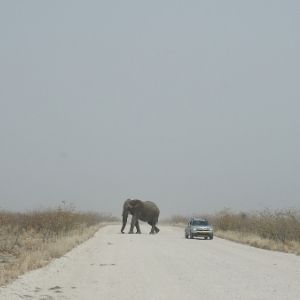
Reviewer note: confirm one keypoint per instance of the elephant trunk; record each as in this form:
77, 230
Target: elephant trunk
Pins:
125, 216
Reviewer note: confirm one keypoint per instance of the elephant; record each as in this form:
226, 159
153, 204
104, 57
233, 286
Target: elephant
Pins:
146, 211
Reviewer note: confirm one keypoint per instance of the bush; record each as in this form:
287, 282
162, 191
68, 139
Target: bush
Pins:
278, 225
44, 225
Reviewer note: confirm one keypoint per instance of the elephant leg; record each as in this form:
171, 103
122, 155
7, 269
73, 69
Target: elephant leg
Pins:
137, 225
134, 220
154, 229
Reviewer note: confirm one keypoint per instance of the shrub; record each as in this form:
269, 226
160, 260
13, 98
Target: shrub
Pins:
278, 225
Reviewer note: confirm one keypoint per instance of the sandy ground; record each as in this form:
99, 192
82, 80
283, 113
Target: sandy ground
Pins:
163, 266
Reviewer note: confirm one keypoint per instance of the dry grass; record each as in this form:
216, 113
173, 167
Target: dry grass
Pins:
259, 242
30, 240
274, 230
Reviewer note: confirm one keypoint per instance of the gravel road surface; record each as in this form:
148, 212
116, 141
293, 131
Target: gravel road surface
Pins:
164, 266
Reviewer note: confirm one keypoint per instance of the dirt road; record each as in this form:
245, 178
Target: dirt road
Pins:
164, 266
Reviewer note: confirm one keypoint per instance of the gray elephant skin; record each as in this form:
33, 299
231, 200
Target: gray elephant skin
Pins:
146, 211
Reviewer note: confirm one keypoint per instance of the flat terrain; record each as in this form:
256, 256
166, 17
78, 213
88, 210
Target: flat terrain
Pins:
163, 266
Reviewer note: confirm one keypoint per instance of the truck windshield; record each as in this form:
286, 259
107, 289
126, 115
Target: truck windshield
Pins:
199, 222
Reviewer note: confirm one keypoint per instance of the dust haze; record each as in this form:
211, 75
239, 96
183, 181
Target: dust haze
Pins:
193, 105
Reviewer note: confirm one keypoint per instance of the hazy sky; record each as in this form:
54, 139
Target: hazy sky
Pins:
192, 104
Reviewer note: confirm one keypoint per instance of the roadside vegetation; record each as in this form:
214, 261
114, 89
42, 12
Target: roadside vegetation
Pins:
268, 229
30, 240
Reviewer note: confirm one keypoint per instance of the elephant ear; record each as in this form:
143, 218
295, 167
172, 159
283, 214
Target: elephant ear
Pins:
134, 204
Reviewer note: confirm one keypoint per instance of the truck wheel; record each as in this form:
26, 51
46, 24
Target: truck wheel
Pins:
191, 236
211, 237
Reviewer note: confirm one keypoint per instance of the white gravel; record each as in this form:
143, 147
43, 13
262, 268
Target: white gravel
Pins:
163, 266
